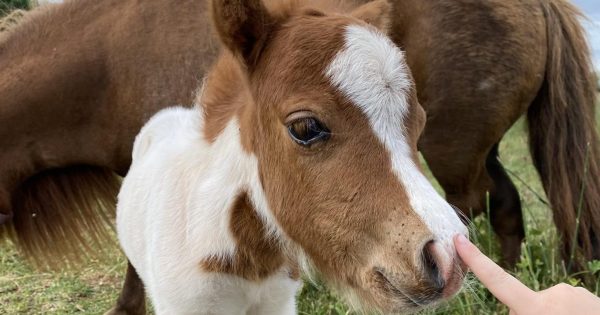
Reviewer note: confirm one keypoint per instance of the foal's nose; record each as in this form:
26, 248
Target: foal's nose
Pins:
443, 269
433, 260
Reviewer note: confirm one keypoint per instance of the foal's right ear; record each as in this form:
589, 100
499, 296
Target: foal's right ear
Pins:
243, 27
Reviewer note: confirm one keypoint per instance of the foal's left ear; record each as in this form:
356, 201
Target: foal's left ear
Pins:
243, 26
376, 13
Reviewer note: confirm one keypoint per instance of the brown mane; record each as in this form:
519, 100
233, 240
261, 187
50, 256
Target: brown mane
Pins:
41, 220
222, 101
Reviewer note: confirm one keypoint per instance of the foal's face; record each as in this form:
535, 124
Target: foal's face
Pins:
333, 121
335, 128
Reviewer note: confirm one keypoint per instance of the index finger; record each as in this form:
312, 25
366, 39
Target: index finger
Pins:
503, 286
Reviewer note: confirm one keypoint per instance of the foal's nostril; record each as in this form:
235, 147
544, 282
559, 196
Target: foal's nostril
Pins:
432, 270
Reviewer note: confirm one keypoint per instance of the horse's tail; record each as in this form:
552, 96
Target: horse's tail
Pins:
563, 137
61, 216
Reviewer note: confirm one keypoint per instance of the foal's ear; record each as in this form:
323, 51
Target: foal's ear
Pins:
243, 26
376, 13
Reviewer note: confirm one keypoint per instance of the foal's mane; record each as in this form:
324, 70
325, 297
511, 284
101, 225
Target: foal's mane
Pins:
222, 95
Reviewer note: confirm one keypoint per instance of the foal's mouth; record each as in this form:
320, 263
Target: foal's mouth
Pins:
413, 298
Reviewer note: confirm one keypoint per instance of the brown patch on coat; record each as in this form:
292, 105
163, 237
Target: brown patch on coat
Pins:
257, 256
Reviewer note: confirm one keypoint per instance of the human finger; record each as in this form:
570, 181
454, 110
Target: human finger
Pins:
505, 287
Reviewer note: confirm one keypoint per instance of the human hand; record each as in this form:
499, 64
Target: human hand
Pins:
561, 299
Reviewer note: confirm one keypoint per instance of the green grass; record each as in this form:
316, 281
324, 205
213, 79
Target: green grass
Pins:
87, 291
8, 5
94, 288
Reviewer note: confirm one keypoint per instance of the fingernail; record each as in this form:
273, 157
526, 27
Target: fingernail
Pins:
461, 239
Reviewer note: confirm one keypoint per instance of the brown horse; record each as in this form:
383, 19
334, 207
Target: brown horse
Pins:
74, 94
68, 122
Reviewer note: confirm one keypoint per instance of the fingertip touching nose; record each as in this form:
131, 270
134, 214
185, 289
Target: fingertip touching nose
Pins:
443, 269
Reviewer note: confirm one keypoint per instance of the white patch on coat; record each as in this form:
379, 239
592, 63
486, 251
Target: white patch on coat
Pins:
371, 71
174, 211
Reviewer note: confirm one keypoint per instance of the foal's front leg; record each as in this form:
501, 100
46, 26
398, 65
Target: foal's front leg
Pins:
132, 300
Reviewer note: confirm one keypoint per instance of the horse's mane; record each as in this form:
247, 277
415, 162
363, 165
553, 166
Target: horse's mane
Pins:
62, 217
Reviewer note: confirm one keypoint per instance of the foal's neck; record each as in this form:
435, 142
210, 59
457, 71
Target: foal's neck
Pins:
226, 103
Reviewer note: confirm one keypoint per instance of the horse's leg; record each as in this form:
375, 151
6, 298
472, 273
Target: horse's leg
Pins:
505, 209
5, 207
132, 300
467, 176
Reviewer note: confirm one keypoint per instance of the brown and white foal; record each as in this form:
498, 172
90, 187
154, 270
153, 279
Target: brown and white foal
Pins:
300, 154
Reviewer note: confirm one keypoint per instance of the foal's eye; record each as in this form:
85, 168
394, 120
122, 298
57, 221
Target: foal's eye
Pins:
307, 131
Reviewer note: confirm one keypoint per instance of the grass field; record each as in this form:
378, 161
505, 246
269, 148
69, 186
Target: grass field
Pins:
93, 288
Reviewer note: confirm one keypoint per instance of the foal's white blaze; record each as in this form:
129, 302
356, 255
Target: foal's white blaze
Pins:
371, 71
